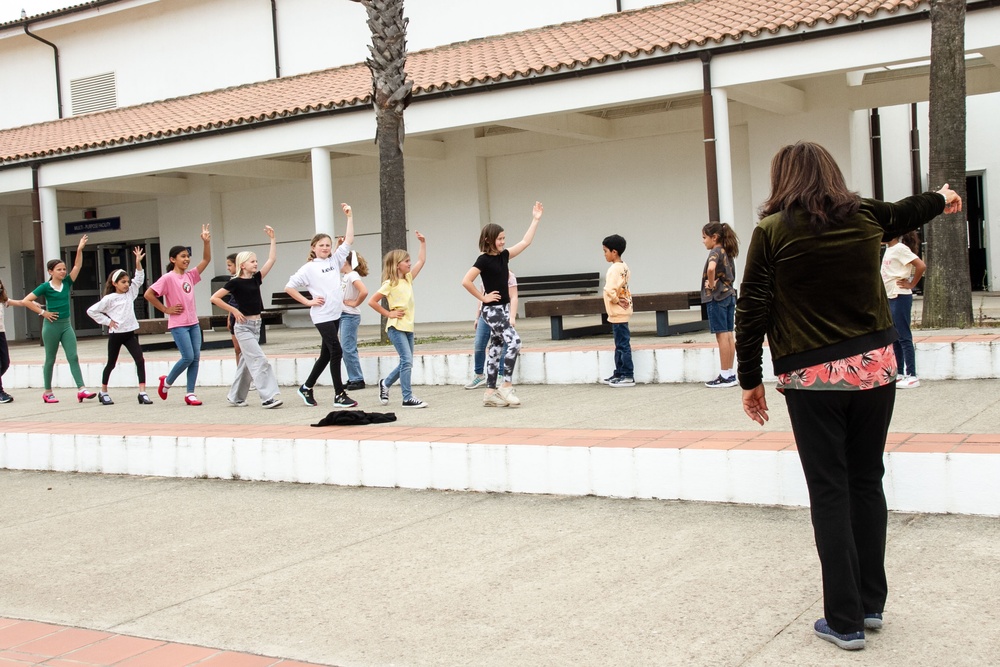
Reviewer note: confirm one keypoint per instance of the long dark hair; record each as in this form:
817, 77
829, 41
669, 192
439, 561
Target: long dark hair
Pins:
805, 178
727, 237
488, 238
3, 293
174, 251
912, 241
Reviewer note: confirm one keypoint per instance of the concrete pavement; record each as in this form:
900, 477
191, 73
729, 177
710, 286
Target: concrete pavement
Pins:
347, 576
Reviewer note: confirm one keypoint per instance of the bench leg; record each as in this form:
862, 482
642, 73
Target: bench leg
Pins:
556, 327
559, 333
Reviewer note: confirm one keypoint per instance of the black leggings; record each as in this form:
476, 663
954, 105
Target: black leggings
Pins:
331, 353
131, 342
4, 355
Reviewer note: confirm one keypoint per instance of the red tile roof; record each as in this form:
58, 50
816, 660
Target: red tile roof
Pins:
658, 30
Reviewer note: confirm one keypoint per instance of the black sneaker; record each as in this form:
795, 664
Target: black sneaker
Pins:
873, 621
414, 403
722, 382
307, 395
5, 397
271, 403
344, 401
608, 380
622, 382
383, 393
354, 385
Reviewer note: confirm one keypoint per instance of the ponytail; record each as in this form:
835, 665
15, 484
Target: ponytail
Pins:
727, 237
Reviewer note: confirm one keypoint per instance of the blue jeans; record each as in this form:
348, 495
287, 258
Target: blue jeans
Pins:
902, 310
623, 350
403, 342
479, 347
188, 341
349, 323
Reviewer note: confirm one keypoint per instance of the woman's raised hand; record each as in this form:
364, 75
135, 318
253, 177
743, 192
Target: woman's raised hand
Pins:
952, 202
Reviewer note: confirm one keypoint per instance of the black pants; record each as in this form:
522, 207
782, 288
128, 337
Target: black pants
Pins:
4, 354
331, 353
130, 340
840, 436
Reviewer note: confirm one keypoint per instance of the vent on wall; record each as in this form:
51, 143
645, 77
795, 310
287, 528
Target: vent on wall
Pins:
93, 93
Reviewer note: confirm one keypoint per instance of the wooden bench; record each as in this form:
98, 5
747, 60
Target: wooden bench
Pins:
660, 303
567, 283
281, 301
158, 325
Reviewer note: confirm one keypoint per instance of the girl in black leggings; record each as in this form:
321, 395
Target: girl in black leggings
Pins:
116, 311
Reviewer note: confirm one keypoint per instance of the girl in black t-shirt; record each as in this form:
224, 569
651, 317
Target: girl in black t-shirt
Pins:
492, 266
253, 365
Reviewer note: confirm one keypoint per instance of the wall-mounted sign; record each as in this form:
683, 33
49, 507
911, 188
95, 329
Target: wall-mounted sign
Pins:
95, 225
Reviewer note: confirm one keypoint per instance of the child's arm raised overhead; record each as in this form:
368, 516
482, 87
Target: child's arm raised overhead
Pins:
349, 230
272, 252
469, 283
78, 262
421, 256
529, 236
206, 256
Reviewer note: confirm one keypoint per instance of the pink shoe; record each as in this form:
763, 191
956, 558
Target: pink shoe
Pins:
191, 399
162, 390
49, 398
84, 394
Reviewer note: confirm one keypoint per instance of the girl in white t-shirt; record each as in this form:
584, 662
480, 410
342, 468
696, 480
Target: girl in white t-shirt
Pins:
901, 271
116, 310
355, 293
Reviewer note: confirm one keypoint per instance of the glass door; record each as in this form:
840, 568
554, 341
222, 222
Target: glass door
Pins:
86, 290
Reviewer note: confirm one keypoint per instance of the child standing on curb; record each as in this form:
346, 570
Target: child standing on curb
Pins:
320, 275
57, 329
355, 293
901, 271
253, 365
4, 352
176, 287
492, 265
718, 292
483, 336
116, 311
618, 303
397, 288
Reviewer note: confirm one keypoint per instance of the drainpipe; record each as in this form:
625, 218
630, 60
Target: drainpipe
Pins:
55, 52
875, 131
36, 226
708, 121
274, 39
915, 180
618, 5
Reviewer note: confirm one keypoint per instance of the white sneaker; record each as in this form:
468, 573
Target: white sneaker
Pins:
507, 394
908, 382
493, 399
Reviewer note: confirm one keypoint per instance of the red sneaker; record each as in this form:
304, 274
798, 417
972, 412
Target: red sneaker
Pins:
162, 390
191, 399
49, 398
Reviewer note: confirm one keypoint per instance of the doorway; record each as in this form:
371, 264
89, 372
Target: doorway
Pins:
975, 214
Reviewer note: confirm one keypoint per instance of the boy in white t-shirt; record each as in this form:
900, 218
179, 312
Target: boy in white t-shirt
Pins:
901, 271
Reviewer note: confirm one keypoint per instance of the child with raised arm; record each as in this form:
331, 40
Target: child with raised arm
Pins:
253, 364
397, 288
5, 303
719, 293
57, 329
618, 303
492, 265
901, 271
320, 275
117, 312
355, 293
176, 287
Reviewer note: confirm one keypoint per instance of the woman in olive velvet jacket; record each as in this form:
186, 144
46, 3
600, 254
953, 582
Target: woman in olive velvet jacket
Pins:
812, 286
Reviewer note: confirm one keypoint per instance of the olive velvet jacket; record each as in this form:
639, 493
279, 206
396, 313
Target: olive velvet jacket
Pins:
818, 296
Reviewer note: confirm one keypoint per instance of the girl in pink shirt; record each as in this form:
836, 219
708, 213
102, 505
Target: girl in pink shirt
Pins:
176, 288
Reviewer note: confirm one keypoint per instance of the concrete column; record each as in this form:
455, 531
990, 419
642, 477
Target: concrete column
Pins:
723, 156
49, 204
322, 182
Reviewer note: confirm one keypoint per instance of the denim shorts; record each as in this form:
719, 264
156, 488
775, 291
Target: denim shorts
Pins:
722, 315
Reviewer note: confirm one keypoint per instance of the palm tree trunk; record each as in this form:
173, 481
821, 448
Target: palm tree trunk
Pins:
947, 291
